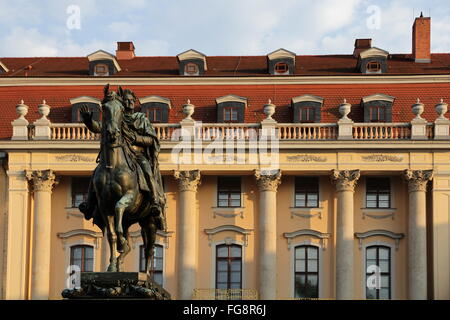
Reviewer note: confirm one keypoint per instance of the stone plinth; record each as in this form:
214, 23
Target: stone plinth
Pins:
116, 285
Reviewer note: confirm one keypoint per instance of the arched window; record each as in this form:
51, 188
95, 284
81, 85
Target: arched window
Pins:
379, 256
101, 69
229, 266
306, 271
83, 257
281, 68
157, 263
191, 69
373, 66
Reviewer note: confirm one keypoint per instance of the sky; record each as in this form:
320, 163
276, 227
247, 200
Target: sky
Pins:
215, 27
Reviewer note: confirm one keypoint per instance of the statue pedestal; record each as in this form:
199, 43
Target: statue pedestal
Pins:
116, 285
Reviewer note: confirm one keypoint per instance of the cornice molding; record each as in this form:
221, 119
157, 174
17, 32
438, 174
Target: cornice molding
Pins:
85, 99
80, 232
245, 232
182, 81
154, 98
306, 232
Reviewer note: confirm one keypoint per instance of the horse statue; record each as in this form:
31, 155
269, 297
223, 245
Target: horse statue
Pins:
120, 200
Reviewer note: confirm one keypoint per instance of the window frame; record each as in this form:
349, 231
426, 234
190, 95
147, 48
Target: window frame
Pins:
380, 110
232, 110
316, 273
228, 191
311, 111
73, 192
154, 111
229, 259
371, 69
83, 253
378, 192
101, 74
276, 66
307, 191
191, 64
390, 274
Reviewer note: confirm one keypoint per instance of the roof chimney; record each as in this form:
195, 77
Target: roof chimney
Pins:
361, 45
125, 50
421, 39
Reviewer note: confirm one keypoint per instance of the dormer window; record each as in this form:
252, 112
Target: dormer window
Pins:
307, 108
101, 70
230, 114
192, 63
281, 68
281, 62
156, 108
307, 114
92, 103
231, 108
378, 108
102, 64
373, 60
373, 67
191, 69
377, 113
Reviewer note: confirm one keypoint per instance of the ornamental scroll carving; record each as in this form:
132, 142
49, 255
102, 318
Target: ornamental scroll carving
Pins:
417, 179
268, 180
75, 158
306, 158
41, 180
187, 180
382, 158
345, 180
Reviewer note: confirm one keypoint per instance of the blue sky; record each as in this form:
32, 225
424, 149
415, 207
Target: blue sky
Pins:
214, 27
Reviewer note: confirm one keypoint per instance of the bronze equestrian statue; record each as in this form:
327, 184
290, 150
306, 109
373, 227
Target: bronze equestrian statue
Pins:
126, 187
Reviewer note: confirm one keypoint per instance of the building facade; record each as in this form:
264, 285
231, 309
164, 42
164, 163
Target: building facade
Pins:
287, 176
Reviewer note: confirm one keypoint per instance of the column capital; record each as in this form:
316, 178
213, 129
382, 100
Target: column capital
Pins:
41, 180
417, 179
345, 180
188, 180
268, 180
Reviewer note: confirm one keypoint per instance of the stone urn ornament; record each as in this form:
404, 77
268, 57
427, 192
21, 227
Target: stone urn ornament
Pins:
44, 110
188, 110
441, 109
417, 109
22, 110
269, 110
344, 110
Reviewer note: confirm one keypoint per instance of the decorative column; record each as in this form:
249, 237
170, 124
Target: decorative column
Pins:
268, 184
42, 182
417, 233
345, 181
188, 182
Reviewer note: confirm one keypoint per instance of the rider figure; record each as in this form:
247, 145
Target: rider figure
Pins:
143, 146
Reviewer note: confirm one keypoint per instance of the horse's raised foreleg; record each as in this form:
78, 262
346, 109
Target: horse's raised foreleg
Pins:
126, 201
112, 239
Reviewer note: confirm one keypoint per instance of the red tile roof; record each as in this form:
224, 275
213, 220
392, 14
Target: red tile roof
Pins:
220, 66
203, 97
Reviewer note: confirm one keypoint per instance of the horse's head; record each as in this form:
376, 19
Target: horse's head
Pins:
112, 118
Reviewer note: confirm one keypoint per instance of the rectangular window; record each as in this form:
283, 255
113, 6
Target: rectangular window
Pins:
157, 263
378, 193
229, 271
79, 190
154, 114
378, 258
306, 272
306, 192
228, 191
230, 114
307, 114
83, 257
377, 114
